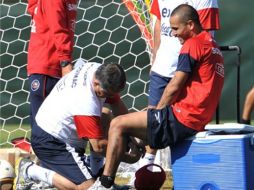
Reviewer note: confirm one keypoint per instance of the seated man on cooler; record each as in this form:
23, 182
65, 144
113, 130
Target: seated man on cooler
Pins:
68, 117
188, 103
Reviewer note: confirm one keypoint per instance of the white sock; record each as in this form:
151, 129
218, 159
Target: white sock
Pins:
38, 173
96, 162
147, 159
157, 159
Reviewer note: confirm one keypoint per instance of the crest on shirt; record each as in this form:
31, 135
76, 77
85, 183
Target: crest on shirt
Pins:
35, 85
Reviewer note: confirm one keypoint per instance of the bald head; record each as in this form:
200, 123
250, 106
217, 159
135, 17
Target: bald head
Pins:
186, 13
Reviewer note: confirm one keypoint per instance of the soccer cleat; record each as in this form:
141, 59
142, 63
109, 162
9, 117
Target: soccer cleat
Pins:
21, 182
132, 180
98, 186
41, 186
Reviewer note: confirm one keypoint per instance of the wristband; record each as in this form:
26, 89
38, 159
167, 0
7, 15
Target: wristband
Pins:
64, 63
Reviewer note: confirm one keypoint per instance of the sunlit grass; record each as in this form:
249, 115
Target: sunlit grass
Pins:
9, 132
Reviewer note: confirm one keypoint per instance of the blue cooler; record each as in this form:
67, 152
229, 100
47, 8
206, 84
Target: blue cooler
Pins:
219, 159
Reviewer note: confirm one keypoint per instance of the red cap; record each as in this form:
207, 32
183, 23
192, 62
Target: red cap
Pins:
150, 177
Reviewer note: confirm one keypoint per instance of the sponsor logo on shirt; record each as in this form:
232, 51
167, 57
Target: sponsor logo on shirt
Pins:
216, 51
165, 30
220, 69
75, 78
86, 73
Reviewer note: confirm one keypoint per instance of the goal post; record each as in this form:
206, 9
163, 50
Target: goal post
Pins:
106, 31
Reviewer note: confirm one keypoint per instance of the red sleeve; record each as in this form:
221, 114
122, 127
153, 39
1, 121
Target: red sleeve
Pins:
113, 99
209, 18
31, 6
88, 126
155, 9
61, 17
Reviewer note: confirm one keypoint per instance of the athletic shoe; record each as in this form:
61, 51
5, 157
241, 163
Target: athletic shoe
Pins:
132, 180
98, 186
41, 186
21, 182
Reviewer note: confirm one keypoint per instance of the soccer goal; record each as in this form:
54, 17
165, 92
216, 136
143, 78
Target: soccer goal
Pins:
106, 31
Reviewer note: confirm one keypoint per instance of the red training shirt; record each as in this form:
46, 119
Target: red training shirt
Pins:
196, 104
52, 35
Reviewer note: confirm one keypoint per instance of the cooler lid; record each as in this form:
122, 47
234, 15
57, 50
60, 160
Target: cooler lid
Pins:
230, 128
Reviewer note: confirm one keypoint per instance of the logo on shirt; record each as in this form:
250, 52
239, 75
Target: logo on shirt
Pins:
35, 85
165, 30
72, 7
216, 51
178, 110
220, 69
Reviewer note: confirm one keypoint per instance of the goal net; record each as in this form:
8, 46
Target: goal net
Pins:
106, 31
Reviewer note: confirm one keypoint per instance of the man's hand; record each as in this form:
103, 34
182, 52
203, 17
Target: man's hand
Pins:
137, 147
67, 69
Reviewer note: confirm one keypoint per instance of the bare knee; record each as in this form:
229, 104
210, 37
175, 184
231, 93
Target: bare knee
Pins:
116, 127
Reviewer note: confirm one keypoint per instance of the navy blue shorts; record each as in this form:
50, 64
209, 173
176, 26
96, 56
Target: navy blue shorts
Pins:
39, 86
156, 88
60, 157
164, 129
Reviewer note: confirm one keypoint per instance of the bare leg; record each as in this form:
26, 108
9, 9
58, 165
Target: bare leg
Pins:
62, 183
50, 177
133, 124
150, 153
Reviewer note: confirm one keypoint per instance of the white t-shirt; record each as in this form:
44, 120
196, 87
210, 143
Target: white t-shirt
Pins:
167, 54
72, 95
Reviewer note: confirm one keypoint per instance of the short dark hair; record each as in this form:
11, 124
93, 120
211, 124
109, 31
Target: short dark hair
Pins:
111, 76
186, 13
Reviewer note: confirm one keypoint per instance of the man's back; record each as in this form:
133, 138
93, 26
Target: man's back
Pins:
72, 95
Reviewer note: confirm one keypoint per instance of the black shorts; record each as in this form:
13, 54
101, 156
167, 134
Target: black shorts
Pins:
164, 129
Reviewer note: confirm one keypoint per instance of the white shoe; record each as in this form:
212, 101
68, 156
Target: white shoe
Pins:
132, 180
41, 186
98, 186
22, 182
